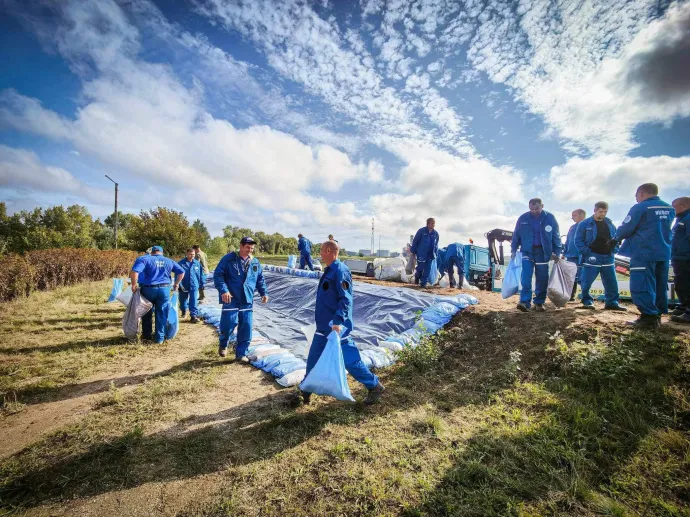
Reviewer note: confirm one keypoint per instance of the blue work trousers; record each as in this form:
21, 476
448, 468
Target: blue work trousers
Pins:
422, 271
648, 285
681, 281
593, 265
240, 317
455, 262
353, 361
160, 298
538, 266
190, 300
306, 260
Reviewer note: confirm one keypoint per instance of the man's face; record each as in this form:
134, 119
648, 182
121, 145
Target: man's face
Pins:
190, 256
600, 213
680, 207
328, 256
431, 224
536, 208
246, 249
577, 216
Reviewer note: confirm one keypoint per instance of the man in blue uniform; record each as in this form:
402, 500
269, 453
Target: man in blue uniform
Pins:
646, 236
594, 241
304, 248
455, 257
441, 261
193, 280
424, 248
237, 276
333, 312
680, 259
151, 274
538, 237
570, 252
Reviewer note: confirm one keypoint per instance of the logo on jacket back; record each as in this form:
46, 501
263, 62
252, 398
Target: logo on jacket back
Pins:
662, 214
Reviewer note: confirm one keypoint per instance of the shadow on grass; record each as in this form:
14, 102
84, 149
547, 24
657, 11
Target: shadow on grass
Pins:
70, 346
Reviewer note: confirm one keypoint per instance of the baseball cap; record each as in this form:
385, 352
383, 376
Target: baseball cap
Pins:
156, 248
247, 240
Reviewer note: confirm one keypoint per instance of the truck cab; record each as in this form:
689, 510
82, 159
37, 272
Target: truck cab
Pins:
476, 264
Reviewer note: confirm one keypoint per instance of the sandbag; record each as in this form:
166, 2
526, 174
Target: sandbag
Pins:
511, 281
117, 287
328, 377
292, 378
561, 282
468, 298
137, 307
292, 261
287, 366
393, 346
125, 296
173, 323
433, 273
411, 264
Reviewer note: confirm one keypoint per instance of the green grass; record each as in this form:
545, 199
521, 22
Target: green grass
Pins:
485, 419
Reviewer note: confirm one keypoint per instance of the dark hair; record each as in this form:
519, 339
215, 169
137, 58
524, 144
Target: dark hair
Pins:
649, 188
601, 204
189, 249
196, 247
580, 211
430, 219
300, 235
536, 200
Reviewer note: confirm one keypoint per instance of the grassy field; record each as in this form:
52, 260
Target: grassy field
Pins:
498, 415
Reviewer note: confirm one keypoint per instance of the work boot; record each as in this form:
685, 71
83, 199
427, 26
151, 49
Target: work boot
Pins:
684, 319
645, 322
223, 352
374, 394
306, 397
589, 306
183, 314
193, 320
678, 311
616, 307
522, 307
244, 359
538, 307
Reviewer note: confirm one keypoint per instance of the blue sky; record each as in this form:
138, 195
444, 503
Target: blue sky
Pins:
315, 117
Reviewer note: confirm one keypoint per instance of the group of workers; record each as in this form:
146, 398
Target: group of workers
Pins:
425, 253
238, 276
647, 238
304, 247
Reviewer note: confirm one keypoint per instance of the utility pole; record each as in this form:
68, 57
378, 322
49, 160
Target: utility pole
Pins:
111, 179
379, 253
373, 243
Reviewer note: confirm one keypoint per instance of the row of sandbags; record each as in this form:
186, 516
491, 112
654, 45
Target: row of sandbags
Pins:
304, 273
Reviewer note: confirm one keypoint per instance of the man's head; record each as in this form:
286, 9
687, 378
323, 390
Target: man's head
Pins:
430, 223
646, 191
578, 215
247, 245
536, 206
681, 205
190, 254
196, 248
329, 252
156, 250
601, 208
330, 237
299, 235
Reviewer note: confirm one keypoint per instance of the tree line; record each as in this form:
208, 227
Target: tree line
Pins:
74, 227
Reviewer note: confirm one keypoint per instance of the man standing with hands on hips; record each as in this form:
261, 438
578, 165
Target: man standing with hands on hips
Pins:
333, 312
237, 276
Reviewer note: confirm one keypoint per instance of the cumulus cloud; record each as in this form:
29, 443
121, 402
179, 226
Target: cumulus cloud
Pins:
614, 177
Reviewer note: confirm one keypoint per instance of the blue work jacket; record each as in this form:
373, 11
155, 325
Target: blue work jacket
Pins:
646, 231
587, 232
550, 235
425, 244
230, 277
569, 249
680, 245
441, 261
193, 274
304, 246
334, 299
155, 269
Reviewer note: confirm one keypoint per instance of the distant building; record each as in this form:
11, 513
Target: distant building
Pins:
384, 253
395, 254
366, 253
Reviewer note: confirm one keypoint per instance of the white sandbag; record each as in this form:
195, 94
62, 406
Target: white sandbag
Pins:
389, 269
393, 346
137, 307
292, 378
260, 354
511, 280
125, 296
411, 265
561, 282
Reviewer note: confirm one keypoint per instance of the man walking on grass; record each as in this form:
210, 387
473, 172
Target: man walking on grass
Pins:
203, 260
237, 277
680, 259
189, 287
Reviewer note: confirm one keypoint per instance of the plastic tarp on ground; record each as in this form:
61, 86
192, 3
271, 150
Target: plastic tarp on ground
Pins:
380, 314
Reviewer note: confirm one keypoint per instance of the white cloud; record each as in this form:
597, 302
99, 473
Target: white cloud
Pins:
615, 178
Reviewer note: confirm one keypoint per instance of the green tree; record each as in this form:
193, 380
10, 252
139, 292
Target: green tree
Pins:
202, 231
165, 227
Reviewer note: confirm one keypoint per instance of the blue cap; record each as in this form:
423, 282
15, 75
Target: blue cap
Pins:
156, 248
247, 240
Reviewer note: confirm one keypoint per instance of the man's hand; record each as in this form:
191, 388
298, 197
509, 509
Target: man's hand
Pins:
555, 257
134, 288
337, 328
226, 297
264, 299
176, 287
512, 255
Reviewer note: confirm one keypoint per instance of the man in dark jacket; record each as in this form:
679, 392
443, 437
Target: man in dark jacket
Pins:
425, 248
680, 259
570, 253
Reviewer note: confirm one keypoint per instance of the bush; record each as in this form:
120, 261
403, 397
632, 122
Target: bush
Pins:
422, 357
48, 269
